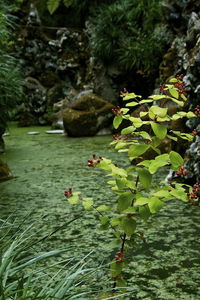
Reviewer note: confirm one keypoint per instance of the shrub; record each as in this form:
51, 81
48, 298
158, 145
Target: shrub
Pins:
10, 77
131, 39
136, 200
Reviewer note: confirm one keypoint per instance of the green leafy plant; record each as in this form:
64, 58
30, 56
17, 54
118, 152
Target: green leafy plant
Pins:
52, 5
136, 200
132, 40
10, 76
27, 272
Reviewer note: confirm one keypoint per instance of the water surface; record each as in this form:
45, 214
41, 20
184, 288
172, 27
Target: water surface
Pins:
166, 267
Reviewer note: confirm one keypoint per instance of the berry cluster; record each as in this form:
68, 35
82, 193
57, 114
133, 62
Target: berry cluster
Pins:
93, 162
180, 77
194, 132
197, 110
182, 171
120, 137
117, 111
162, 88
119, 257
68, 193
180, 85
195, 194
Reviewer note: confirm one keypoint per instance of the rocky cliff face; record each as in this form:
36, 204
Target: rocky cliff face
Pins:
183, 57
57, 63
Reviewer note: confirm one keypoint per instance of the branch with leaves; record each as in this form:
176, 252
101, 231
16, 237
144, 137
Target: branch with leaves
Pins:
136, 199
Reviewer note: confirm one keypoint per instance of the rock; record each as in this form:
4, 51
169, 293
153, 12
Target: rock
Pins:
5, 173
33, 132
87, 116
54, 131
183, 57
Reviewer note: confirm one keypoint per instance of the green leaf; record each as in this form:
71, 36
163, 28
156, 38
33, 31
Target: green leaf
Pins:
176, 159
157, 97
146, 101
67, 3
137, 150
173, 79
115, 221
155, 204
180, 194
104, 220
130, 210
124, 110
121, 282
118, 171
87, 203
121, 183
180, 103
115, 243
128, 225
131, 104
183, 97
145, 163
174, 93
131, 184
176, 117
145, 135
73, 199
159, 130
141, 201
120, 145
144, 212
124, 201
52, 5
143, 113
116, 268
128, 130
117, 121
156, 141
137, 122
105, 164
145, 177
160, 161
131, 96
158, 111
103, 208
163, 194
172, 138
190, 114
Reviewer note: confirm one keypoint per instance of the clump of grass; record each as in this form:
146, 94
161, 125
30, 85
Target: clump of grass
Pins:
23, 276
132, 40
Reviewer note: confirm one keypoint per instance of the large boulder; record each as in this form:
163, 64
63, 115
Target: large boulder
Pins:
87, 116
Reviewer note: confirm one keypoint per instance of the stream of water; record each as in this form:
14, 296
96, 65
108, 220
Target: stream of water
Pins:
44, 165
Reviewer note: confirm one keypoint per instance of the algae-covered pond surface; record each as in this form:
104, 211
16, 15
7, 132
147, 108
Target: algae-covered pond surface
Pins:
166, 267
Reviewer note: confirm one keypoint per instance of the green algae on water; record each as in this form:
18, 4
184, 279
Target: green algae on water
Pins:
165, 267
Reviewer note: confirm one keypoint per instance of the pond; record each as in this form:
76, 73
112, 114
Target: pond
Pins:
165, 267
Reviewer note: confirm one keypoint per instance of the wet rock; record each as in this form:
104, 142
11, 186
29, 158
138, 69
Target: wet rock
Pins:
87, 116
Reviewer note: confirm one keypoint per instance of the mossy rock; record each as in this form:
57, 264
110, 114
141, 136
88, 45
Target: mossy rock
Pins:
89, 102
87, 116
5, 172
